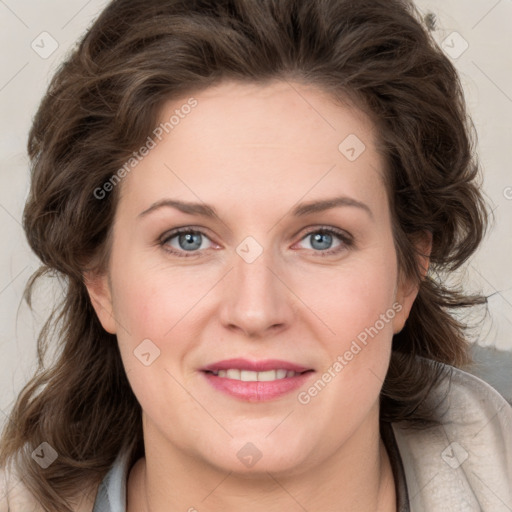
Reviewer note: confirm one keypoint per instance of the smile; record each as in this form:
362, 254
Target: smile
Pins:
252, 376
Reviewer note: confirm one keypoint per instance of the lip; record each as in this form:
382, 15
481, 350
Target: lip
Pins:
255, 366
257, 391
260, 391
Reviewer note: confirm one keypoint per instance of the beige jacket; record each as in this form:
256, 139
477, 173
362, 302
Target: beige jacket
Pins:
463, 465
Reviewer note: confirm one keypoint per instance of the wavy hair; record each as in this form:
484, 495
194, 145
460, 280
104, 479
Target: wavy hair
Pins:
102, 104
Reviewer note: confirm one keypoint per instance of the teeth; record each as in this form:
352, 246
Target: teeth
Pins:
250, 376
233, 374
269, 375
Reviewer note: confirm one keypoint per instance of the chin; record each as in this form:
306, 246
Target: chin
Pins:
252, 459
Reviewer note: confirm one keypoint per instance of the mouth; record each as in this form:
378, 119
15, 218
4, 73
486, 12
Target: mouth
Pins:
252, 376
256, 381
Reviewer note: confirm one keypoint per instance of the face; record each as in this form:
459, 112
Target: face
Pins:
263, 329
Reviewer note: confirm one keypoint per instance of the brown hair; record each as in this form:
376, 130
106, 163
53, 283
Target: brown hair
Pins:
102, 104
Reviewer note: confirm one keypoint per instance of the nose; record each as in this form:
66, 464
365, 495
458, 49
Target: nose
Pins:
257, 300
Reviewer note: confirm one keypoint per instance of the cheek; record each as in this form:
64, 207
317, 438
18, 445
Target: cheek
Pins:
151, 301
354, 296
153, 313
359, 311
162, 313
358, 307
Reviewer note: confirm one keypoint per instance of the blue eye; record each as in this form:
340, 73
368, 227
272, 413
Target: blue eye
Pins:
181, 241
187, 240
321, 241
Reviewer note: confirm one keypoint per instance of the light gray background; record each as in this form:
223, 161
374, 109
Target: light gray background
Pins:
486, 73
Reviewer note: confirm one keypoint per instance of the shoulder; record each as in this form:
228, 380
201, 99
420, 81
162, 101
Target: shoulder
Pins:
466, 459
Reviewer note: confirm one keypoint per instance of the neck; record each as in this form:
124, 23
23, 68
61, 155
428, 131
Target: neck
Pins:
351, 479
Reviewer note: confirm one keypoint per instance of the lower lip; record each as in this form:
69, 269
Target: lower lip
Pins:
257, 391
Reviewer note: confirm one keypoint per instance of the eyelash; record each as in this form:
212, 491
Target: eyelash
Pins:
347, 241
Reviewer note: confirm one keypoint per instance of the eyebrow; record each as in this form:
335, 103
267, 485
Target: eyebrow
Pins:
205, 210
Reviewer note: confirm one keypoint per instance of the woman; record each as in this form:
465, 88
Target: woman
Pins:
252, 203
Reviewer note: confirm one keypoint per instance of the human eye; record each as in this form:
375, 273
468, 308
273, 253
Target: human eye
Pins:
182, 240
321, 239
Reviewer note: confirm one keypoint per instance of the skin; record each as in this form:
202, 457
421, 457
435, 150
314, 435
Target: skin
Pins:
254, 152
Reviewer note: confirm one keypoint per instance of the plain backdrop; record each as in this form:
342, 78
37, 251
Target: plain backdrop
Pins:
34, 38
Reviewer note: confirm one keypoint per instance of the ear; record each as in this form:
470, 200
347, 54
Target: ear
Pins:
407, 288
100, 293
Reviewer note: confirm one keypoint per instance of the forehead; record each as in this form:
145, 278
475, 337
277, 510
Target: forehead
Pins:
280, 140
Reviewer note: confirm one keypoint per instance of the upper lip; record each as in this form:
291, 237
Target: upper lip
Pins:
255, 366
